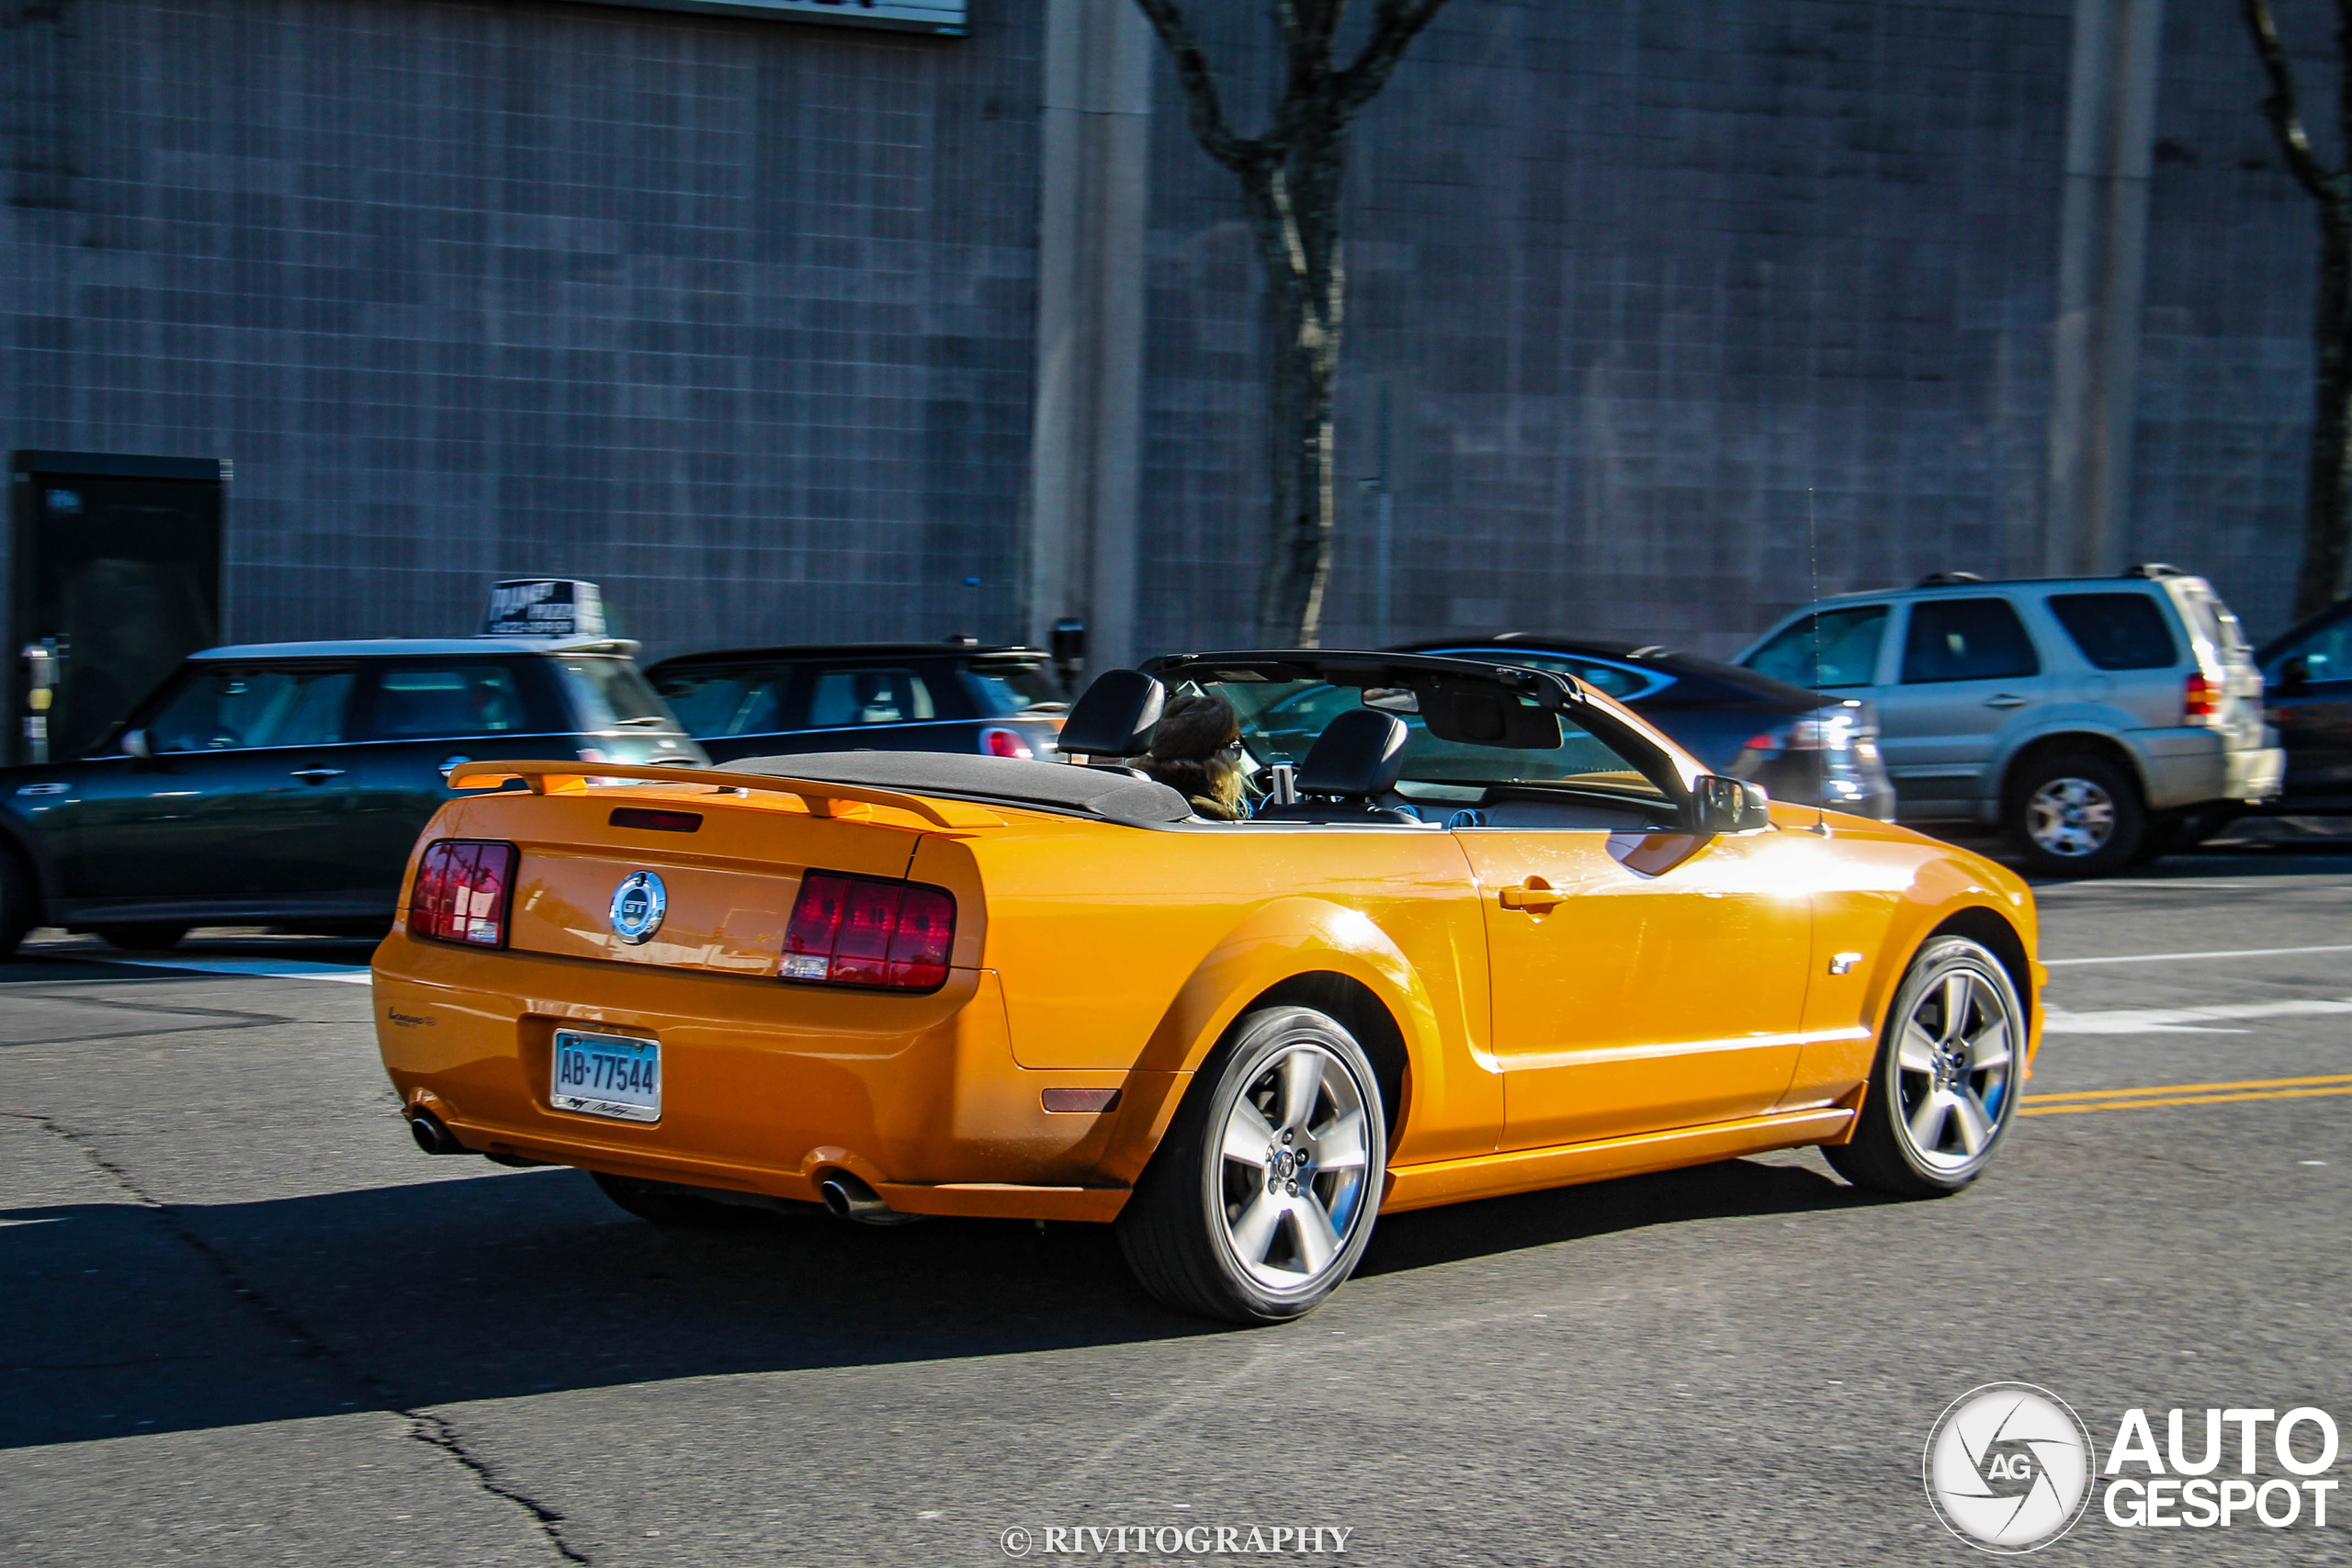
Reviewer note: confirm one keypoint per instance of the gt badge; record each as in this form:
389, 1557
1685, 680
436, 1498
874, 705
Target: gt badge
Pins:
638, 904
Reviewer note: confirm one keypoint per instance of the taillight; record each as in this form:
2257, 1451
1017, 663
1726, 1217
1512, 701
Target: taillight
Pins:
863, 931
1004, 743
2200, 696
462, 885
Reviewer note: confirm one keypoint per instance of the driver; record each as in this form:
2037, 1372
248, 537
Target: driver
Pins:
1196, 751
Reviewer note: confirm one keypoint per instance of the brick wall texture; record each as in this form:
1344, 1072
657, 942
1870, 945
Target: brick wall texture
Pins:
1679, 309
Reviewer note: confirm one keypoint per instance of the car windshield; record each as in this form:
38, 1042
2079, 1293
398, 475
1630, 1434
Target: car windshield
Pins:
610, 693
714, 703
1003, 687
1280, 720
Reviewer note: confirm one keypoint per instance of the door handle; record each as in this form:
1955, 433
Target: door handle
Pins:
317, 776
1535, 896
2004, 701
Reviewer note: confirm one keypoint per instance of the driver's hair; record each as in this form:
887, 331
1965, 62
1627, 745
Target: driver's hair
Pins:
1193, 752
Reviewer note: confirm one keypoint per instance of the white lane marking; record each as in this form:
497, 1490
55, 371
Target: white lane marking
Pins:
2183, 957
2042, 889
259, 968
2182, 1020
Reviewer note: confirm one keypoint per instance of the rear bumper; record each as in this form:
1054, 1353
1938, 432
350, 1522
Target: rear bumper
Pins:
2188, 767
766, 1086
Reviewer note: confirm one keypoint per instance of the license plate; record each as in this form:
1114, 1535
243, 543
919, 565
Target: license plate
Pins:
607, 1075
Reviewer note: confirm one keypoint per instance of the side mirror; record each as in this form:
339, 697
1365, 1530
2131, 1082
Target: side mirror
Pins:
2295, 670
1729, 805
134, 742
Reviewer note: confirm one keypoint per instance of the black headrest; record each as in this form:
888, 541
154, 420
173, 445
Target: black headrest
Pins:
1360, 753
1114, 717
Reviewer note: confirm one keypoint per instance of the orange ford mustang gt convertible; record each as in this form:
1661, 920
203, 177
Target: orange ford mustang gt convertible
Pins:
1487, 930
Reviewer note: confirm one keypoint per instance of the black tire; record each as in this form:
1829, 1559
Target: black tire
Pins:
2074, 814
2165, 831
153, 936
673, 1209
19, 903
1889, 1153
1178, 1231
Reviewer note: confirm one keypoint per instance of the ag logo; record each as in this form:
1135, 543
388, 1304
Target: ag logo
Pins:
638, 904
2008, 1468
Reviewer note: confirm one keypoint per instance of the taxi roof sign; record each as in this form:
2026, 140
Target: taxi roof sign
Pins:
544, 606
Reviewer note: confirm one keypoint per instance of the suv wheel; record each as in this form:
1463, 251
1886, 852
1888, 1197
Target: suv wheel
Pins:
1261, 1198
2075, 814
1944, 1088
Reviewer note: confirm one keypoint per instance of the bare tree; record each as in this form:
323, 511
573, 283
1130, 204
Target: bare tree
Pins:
1290, 176
2327, 503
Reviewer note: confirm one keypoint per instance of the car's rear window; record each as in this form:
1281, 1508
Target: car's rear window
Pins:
841, 699
1834, 648
1966, 639
2117, 631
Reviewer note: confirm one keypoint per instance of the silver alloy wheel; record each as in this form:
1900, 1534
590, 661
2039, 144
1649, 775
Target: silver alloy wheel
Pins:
1954, 1065
2071, 816
1294, 1167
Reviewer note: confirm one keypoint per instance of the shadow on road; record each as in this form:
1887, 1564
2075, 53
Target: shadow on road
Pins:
126, 1319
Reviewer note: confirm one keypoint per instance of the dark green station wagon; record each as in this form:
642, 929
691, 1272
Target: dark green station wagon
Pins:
283, 784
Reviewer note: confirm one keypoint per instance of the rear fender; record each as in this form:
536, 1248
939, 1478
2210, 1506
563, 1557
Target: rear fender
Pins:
1277, 942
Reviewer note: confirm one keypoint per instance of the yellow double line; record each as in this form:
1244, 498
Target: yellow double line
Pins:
2070, 1101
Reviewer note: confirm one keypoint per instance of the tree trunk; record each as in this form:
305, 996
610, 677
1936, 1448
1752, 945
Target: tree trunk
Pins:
1294, 215
2328, 495
1291, 178
1304, 348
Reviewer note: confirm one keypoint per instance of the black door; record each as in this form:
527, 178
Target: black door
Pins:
117, 565
242, 810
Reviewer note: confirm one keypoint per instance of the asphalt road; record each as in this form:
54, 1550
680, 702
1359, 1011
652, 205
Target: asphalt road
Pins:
248, 1324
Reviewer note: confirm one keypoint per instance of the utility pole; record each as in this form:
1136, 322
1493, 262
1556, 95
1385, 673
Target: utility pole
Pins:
2102, 261
1086, 438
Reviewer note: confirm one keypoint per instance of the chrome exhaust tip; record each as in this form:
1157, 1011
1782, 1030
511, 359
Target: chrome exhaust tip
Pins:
849, 1198
432, 1136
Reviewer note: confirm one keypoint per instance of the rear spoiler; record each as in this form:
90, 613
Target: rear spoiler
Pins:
822, 799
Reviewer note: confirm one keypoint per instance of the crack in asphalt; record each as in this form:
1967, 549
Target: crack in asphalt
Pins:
424, 1426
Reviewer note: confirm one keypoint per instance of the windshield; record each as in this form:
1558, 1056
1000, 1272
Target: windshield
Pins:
1280, 720
1003, 687
610, 694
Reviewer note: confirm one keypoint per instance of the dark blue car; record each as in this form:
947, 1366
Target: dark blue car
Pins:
1801, 746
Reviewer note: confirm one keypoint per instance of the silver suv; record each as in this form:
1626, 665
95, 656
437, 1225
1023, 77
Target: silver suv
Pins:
2099, 720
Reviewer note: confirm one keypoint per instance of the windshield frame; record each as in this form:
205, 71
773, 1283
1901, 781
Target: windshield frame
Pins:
1553, 691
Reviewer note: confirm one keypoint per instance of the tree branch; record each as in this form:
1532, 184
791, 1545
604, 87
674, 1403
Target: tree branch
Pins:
1395, 24
2278, 108
1240, 153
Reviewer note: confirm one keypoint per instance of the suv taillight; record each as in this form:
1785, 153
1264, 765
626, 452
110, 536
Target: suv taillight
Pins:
864, 931
2200, 697
461, 892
